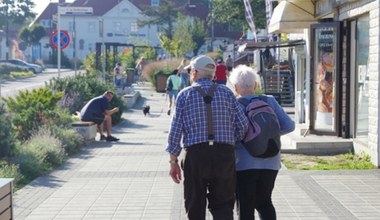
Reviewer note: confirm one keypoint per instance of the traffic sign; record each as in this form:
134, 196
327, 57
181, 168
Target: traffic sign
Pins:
76, 10
64, 38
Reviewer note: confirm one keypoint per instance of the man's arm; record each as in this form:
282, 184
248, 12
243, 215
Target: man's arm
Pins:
111, 111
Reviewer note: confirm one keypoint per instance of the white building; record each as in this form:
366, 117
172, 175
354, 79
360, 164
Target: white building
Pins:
119, 19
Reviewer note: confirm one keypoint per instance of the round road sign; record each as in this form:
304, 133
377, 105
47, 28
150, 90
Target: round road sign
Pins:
64, 38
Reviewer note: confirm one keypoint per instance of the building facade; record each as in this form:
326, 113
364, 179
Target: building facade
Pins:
340, 69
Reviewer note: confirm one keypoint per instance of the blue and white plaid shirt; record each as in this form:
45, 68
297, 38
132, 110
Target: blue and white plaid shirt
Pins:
189, 121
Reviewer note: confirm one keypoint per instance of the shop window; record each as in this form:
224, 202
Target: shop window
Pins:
362, 77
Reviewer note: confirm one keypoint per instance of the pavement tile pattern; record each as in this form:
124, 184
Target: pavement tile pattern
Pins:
129, 180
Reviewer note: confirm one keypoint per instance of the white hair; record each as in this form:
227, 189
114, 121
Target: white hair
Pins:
245, 78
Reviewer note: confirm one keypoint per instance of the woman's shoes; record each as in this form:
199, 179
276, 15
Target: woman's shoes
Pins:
169, 112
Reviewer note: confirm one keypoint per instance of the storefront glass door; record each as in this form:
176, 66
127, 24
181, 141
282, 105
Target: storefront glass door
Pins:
359, 67
325, 71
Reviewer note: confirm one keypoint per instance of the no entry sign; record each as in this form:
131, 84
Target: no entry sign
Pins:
64, 38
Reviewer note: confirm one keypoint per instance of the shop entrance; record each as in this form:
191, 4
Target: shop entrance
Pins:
325, 96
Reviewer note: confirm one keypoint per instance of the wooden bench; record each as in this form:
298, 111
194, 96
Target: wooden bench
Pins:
86, 128
6, 207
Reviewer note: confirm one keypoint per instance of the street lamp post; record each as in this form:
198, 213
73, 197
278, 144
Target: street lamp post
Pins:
6, 31
212, 25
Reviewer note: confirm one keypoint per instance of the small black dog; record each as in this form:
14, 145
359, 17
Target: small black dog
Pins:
146, 110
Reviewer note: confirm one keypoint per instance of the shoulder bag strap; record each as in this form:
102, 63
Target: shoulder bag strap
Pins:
207, 98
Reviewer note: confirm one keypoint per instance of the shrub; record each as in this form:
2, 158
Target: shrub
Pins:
163, 66
7, 136
14, 74
32, 109
6, 68
40, 153
71, 140
78, 90
11, 171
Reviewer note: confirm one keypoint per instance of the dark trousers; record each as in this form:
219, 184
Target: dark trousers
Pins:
209, 175
254, 191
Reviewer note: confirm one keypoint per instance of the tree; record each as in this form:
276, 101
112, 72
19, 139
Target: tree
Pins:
233, 11
184, 35
37, 32
166, 15
16, 11
32, 35
171, 46
199, 33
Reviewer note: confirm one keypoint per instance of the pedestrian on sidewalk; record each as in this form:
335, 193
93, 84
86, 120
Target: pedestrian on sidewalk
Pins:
221, 72
140, 65
98, 110
209, 161
229, 63
118, 74
184, 74
173, 85
256, 176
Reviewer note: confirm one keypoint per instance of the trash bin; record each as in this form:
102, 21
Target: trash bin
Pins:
131, 72
161, 79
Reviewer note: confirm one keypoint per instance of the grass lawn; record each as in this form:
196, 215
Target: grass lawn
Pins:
347, 161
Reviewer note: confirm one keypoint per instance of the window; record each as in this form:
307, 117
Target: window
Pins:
116, 27
91, 27
81, 44
134, 27
362, 78
71, 26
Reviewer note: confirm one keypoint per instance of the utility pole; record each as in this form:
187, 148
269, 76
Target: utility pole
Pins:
59, 40
75, 48
7, 30
101, 34
212, 24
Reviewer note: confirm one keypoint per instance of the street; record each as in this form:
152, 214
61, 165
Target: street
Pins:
9, 87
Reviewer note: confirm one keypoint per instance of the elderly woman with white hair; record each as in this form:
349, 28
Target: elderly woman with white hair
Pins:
256, 176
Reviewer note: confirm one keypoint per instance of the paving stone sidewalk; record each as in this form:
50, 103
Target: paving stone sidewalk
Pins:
129, 180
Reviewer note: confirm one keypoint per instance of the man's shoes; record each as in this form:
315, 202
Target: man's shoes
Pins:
169, 112
112, 138
103, 137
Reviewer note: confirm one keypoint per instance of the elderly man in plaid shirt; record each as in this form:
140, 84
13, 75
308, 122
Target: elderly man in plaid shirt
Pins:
209, 160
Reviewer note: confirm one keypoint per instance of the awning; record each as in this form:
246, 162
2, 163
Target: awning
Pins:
292, 16
263, 45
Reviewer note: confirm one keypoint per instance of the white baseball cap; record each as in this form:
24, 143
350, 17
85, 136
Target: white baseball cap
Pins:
202, 62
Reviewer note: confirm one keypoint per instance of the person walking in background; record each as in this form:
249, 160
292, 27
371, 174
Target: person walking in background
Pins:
221, 72
118, 74
209, 161
98, 110
184, 74
173, 85
229, 63
140, 67
256, 176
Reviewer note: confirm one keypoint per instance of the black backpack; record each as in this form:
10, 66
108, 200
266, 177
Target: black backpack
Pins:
263, 135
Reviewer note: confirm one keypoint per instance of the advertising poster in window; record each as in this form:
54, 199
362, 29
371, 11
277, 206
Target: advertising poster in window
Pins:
325, 66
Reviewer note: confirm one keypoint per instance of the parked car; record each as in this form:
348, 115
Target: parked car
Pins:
32, 67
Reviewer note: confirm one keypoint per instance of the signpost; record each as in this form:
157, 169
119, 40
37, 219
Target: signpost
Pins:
64, 39
68, 11
76, 10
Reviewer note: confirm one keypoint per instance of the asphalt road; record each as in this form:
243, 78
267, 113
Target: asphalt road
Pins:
10, 87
